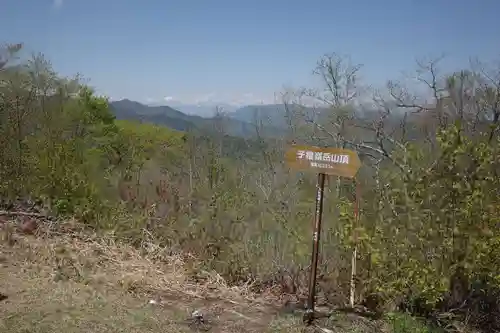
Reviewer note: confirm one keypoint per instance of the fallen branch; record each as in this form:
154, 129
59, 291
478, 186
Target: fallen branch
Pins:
243, 316
360, 311
10, 213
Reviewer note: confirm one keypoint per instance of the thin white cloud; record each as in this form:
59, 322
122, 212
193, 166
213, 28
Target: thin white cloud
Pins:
57, 3
213, 99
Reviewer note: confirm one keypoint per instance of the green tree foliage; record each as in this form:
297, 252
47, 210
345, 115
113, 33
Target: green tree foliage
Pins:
61, 144
430, 189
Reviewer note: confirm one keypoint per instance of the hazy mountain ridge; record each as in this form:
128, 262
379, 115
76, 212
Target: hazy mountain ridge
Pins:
205, 110
272, 118
241, 122
175, 119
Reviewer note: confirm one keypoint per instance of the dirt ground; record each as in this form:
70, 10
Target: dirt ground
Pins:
79, 283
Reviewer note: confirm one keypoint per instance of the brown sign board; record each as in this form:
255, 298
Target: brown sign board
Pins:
330, 161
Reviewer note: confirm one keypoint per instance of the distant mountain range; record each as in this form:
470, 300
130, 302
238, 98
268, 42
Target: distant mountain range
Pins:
239, 122
206, 110
242, 122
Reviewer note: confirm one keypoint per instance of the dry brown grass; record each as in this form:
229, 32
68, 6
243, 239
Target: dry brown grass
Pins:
73, 281
78, 282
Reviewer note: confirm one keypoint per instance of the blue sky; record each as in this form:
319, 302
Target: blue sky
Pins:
238, 50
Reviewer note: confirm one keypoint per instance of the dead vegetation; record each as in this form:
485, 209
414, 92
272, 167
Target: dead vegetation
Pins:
65, 278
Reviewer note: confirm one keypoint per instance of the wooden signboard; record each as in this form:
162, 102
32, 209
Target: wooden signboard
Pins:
330, 161
324, 161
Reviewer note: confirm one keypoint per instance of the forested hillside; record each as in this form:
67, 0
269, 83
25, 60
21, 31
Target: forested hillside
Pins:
169, 117
428, 237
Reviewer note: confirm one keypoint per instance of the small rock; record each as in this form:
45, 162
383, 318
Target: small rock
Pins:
198, 322
197, 315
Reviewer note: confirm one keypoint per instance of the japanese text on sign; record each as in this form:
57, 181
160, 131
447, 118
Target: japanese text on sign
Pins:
319, 156
332, 161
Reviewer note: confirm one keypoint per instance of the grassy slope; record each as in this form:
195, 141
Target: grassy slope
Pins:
75, 282
69, 284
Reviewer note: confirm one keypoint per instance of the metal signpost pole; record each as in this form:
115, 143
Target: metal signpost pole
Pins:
352, 296
309, 315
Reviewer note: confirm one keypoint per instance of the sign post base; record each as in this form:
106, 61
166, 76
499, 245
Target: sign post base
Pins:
308, 317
